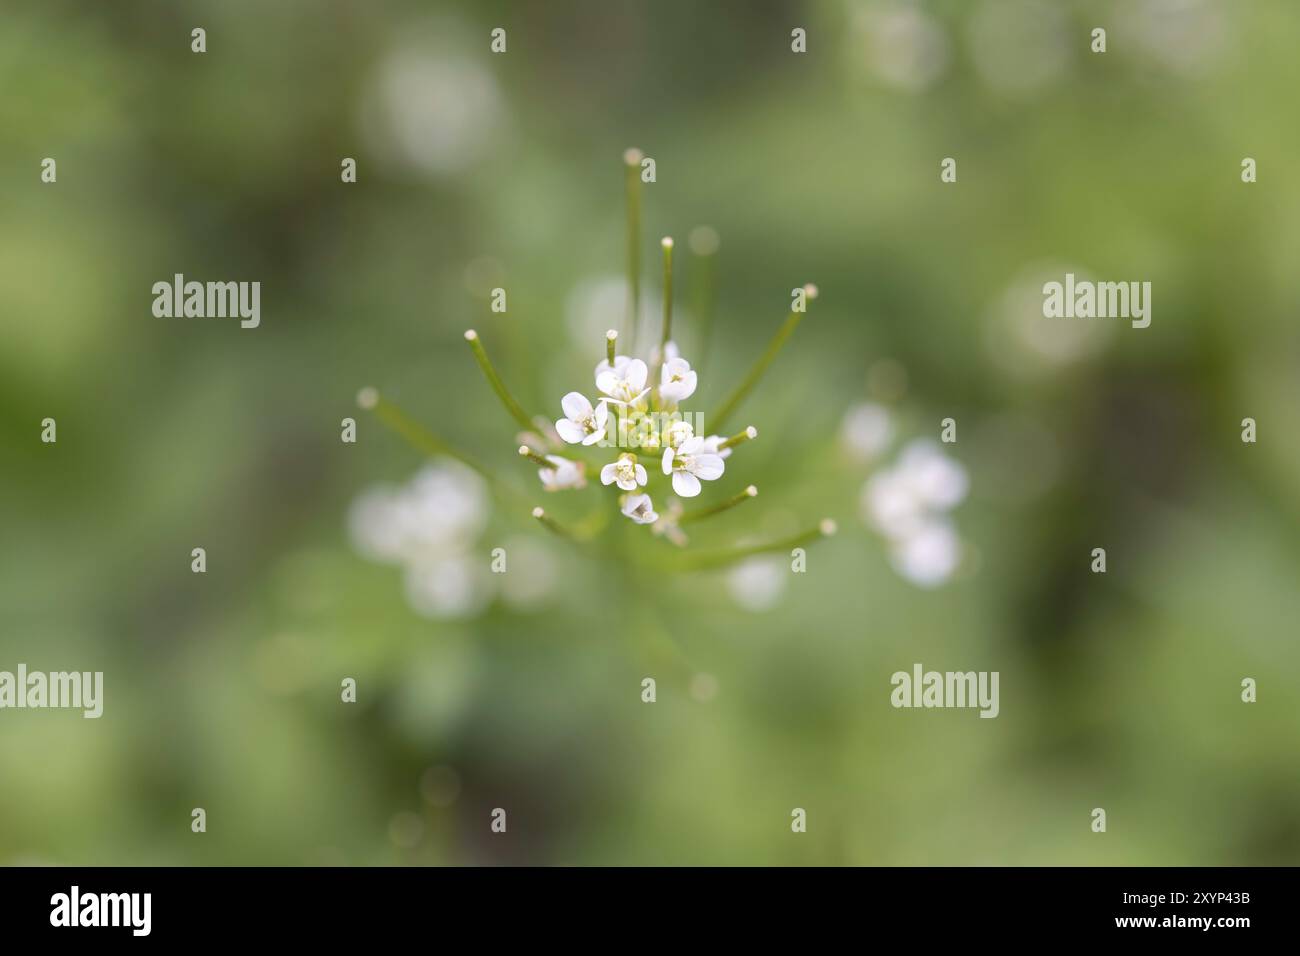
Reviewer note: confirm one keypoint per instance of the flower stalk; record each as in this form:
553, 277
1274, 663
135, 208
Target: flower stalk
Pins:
632, 176
767, 358
722, 506
513, 407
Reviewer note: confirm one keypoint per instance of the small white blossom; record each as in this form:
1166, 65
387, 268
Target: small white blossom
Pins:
625, 472
581, 423
639, 509
625, 382
928, 556
564, 474
866, 431
711, 444
690, 464
676, 434
908, 503
676, 380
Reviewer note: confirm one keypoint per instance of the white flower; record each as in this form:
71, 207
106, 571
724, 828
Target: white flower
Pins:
690, 464
929, 556
898, 500
443, 508
564, 474
639, 509
758, 583
676, 434
908, 502
581, 423
625, 472
866, 431
625, 382
676, 380
711, 444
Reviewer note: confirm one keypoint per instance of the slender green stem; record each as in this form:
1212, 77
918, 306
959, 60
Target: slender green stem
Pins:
667, 244
769, 355
719, 559
425, 441
722, 506
748, 434
632, 174
513, 407
534, 457
611, 346
551, 524
415, 434
704, 248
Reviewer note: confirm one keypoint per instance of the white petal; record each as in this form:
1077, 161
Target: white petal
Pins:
602, 415
575, 406
570, 431
668, 461
686, 484
594, 437
607, 474
607, 382
636, 374
641, 476
708, 467
687, 385
692, 446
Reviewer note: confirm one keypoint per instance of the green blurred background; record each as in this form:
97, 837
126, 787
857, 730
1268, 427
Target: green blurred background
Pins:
475, 170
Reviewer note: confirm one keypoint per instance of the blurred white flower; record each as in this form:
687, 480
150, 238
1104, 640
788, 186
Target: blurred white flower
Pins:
433, 107
453, 585
908, 503
712, 442
639, 509
444, 507
900, 44
929, 555
429, 527
564, 474
866, 431
758, 584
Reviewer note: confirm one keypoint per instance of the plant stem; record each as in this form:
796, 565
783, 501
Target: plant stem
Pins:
769, 355
667, 244
748, 434
632, 175
611, 346
709, 512
513, 407
722, 558
551, 524
425, 441
704, 248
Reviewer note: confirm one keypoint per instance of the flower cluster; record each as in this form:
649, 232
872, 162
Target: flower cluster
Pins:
652, 448
647, 419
